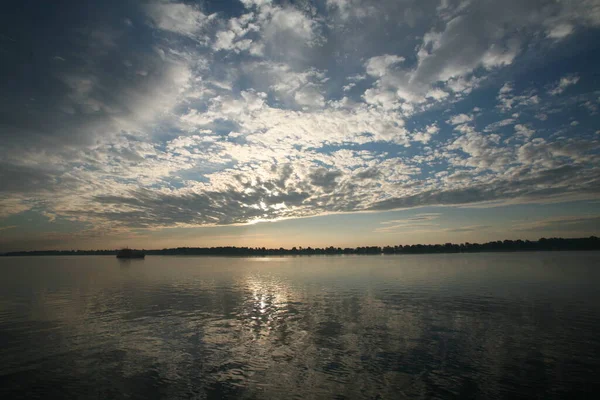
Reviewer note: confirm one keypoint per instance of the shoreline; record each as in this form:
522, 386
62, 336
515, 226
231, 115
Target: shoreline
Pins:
507, 246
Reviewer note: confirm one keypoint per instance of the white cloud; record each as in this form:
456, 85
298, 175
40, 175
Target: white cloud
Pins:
351, 8
523, 130
499, 124
379, 66
235, 37
310, 96
224, 40
393, 83
458, 50
278, 32
179, 18
509, 100
506, 88
425, 137
484, 151
293, 88
560, 31
563, 84
348, 87
256, 3
437, 94
460, 119
453, 54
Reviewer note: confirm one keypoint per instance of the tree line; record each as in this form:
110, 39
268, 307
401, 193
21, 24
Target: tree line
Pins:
543, 244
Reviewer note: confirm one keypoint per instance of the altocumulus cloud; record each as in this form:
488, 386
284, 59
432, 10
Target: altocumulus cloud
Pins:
162, 114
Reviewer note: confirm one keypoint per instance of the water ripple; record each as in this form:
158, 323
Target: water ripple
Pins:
484, 326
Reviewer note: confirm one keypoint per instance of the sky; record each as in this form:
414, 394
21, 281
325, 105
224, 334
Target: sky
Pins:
271, 123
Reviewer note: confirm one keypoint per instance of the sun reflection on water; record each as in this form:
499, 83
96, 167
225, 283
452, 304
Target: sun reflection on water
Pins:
355, 327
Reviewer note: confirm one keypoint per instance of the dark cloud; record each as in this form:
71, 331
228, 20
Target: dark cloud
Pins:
25, 179
324, 178
77, 73
541, 187
371, 173
145, 208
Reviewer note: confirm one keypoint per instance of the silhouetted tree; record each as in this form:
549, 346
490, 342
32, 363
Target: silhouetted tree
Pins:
544, 244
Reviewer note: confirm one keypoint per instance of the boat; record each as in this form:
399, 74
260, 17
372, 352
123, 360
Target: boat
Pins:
130, 253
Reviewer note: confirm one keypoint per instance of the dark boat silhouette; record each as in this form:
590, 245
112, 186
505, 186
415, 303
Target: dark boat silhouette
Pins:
129, 253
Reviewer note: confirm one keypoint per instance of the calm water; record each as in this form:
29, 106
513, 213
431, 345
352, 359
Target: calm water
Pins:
425, 326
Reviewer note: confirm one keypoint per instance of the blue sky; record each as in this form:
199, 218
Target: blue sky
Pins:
282, 123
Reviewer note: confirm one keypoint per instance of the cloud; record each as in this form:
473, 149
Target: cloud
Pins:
522, 130
379, 66
496, 191
347, 9
437, 94
465, 229
563, 84
560, 31
324, 179
484, 150
417, 222
591, 107
509, 100
293, 87
451, 55
405, 227
417, 217
237, 36
86, 101
14, 204
425, 137
458, 50
178, 18
460, 119
310, 96
282, 33
587, 223
24, 178
272, 110
499, 124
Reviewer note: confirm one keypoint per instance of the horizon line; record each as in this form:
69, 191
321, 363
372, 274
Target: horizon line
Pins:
464, 246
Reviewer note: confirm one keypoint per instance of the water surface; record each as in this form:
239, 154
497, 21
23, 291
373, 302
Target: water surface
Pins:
520, 325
